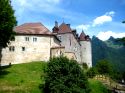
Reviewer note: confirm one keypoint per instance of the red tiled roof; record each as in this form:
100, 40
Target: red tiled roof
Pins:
32, 28
64, 28
82, 36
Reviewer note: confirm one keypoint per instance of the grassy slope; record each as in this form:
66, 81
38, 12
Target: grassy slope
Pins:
22, 78
97, 87
26, 78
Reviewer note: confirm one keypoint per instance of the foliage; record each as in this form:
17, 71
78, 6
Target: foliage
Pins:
7, 22
123, 75
112, 50
91, 72
65, 76
23, 78
85, 66
104, 67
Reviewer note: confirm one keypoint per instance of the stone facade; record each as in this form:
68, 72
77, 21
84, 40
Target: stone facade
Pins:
22, 50
77, 47
34, 42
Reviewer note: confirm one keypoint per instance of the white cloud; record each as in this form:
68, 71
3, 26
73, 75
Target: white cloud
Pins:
82, 27
111, 13
36, 5
106, 35
107, 17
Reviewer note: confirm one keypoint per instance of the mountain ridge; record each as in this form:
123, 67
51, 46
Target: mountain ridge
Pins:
111, 49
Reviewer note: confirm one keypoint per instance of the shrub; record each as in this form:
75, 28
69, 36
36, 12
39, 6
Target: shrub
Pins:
91, 72
65, 76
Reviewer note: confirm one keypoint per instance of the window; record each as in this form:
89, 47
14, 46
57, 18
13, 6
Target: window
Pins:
34, 39
27, 38
23, 48
59, 38
11, 48
70, 41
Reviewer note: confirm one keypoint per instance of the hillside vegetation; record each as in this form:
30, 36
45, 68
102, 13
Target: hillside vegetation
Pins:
26, 78
111, 50
22, 78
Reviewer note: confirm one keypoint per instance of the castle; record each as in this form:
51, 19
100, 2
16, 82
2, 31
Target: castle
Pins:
34, 42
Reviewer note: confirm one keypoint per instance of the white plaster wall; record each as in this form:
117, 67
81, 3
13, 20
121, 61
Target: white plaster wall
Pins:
34, 51
86, 52
71, 45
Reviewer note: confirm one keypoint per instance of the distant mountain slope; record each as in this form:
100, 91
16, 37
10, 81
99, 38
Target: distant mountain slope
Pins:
112, 50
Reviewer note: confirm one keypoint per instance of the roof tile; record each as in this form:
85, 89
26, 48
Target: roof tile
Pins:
32, 28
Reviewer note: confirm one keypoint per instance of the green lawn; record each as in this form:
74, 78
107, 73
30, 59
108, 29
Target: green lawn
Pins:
97, 87
26, 78
22, 78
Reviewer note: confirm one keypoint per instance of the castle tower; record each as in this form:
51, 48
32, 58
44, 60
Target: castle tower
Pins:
86, 51
55, 28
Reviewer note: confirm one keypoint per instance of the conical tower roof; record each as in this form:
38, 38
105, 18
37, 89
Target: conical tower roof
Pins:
82, 36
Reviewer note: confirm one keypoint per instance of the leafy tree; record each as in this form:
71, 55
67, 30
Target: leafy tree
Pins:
123, 75
91, 72
7, 22
65, 76
104, 67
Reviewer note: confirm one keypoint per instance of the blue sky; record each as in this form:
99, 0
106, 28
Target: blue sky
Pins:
101, 18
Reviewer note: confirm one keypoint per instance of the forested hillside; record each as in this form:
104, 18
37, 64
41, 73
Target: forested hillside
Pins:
112, 50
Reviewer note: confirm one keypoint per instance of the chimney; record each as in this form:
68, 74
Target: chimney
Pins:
56, 24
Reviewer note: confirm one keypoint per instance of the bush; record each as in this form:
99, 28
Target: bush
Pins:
85, 66
65, 76
91, 72
104, 67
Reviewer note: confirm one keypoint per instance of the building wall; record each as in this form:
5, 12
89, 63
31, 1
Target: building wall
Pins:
86, 52
35, 49
70, 55
71, 44
55, 52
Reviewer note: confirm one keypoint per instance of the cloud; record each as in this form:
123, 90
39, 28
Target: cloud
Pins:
37, 5
42, 10
107, 17
82, 27
106, 35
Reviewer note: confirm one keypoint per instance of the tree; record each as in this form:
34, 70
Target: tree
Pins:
85, 66
91, 72
7, 22
65, 76
104, 67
